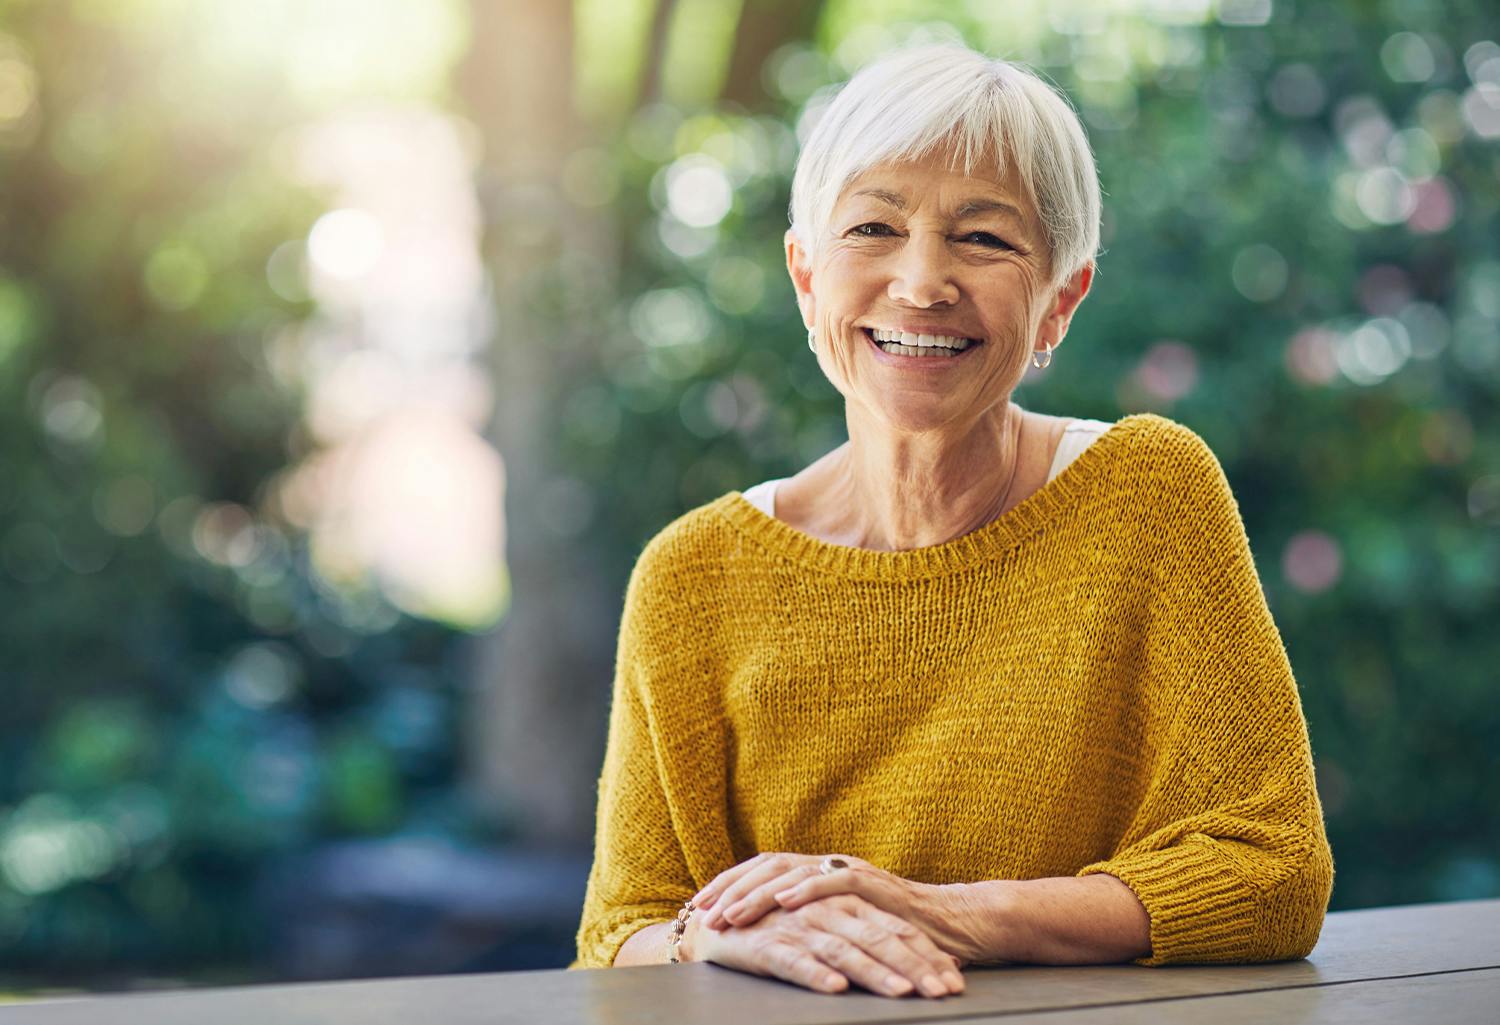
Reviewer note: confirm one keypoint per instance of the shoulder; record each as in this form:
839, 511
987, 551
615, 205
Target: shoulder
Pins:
692, 534
1144, 432
1167, 449
1143, 451
1170, 480
1153, 429
1195, 509
682, 561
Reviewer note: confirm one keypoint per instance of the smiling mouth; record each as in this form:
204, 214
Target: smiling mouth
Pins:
895, 343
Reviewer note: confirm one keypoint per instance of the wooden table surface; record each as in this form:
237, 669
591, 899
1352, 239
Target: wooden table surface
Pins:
1427, 963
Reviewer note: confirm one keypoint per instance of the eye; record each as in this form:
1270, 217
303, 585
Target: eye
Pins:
872, 229
984, 238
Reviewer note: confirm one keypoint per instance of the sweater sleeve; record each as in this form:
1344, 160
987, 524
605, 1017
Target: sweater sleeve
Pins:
1226, 849
639, 875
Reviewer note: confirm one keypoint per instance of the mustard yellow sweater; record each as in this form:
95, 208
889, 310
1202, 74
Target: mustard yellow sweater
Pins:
1090, 683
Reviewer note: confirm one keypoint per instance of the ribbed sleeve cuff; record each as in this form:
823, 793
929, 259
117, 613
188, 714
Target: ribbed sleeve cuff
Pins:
1201, 911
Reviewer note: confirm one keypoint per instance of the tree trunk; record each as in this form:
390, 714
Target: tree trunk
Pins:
656, 48
765, 26
536, 719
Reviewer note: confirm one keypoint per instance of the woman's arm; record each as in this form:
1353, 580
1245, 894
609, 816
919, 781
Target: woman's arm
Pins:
640, 875
1090, 919
1093, 919
1226, 846
649, 945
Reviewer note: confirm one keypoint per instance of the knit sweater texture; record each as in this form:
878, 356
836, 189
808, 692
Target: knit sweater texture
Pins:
1092, 682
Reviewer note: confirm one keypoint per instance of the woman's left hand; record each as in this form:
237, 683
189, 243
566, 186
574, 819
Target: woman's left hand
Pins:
775, 879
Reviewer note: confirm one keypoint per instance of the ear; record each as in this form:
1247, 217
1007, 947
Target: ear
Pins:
799, 267
1055, 324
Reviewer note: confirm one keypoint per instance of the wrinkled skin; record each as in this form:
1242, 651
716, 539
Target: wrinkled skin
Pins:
922, 245
857, 925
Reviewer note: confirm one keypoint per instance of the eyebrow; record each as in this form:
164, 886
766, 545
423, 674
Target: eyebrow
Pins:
980, 206
967, 209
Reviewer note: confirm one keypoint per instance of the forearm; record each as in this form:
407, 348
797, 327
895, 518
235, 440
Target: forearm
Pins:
645, 946
649, 945
1092, 919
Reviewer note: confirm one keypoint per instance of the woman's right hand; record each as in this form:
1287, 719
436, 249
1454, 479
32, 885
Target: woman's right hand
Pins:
829, 943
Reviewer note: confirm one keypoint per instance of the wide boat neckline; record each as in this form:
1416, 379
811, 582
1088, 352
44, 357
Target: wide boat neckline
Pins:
1012, 528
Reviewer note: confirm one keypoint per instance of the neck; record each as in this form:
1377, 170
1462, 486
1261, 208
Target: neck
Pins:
893, 491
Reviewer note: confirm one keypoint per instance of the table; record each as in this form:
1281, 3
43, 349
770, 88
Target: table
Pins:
1428, 963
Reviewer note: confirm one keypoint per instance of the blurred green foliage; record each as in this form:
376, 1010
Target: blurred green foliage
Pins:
171, 722
1301, 264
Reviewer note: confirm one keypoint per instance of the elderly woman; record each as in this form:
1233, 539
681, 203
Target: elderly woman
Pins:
980, 685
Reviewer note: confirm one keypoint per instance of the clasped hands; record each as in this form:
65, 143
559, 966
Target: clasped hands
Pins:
778, 914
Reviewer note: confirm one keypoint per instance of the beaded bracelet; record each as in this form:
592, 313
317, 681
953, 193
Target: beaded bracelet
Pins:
674, 942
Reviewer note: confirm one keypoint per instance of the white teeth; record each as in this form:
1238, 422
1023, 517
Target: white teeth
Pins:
931, 351
911, 341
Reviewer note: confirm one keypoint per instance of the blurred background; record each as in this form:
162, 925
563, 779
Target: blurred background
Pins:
350, 352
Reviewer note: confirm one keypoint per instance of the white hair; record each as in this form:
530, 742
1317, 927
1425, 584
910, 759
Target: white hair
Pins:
912, 101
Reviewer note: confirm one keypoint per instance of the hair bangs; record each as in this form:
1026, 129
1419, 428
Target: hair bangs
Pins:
949, 99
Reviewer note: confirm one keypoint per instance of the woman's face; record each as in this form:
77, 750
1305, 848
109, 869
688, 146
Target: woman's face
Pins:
918, 248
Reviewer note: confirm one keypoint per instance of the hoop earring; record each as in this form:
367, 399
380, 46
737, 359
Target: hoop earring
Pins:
1044, 363
812, 341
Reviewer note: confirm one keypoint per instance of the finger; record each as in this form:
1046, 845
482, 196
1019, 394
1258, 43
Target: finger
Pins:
747, 881
773, 867
744, 910
869, 882
938, 961
705, 897
817, 886
785, 961
739, 897
714, 891
856, 965
894, 942
878, 897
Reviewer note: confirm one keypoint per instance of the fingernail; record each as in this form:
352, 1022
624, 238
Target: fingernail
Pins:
784, 894
897, 984
932, 987
954, 980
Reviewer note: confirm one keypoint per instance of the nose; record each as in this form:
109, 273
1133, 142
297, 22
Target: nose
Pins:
923, 273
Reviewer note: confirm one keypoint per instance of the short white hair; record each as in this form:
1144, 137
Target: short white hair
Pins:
909, 102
